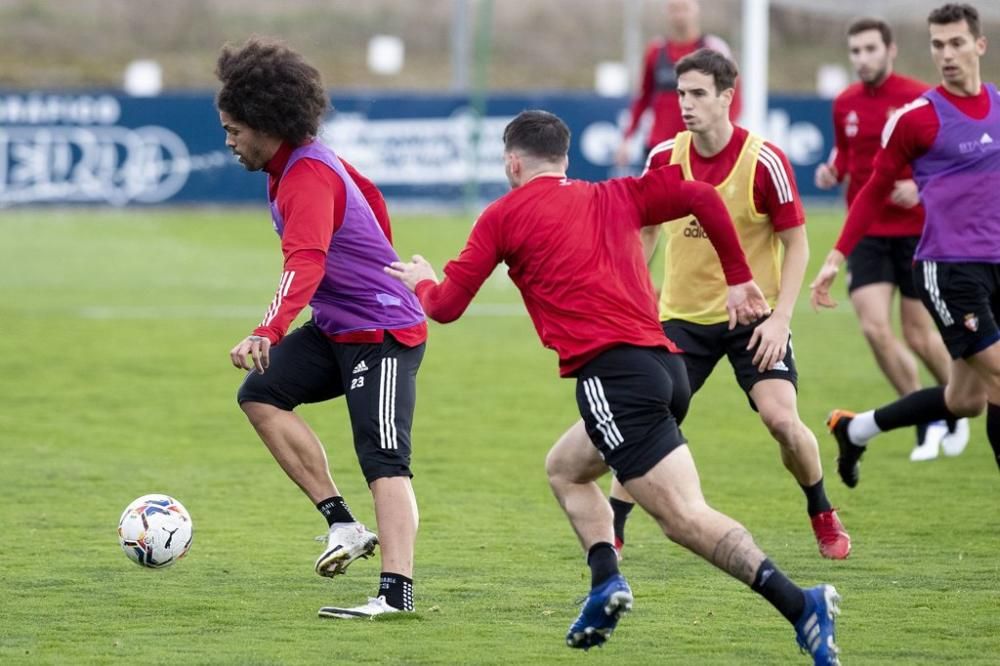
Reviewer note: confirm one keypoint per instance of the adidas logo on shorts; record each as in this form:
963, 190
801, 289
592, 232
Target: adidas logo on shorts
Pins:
360, 367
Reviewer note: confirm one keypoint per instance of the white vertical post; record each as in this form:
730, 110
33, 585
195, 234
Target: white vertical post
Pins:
753, 88
632, 41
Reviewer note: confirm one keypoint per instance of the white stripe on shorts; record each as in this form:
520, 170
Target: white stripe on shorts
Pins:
387, 404
599, 407
934, 291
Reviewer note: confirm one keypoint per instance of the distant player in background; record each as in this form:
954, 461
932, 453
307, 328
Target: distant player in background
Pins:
573, 250
658, 87
883, 260
950, 137
756, 182
366, 337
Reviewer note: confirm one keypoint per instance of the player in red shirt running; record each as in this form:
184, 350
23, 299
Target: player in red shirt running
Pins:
658, 87
574, 252
947, 137
883, 260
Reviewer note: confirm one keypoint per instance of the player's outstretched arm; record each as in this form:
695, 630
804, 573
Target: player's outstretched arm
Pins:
413, 272
819, 289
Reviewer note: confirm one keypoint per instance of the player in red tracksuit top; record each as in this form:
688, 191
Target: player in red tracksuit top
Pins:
573, 250
883, 260
658, 86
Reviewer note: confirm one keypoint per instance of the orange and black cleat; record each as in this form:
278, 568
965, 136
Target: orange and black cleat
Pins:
848, 466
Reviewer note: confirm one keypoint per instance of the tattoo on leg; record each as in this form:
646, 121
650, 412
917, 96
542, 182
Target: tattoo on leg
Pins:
738, 555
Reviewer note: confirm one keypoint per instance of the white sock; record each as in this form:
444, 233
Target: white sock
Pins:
862, 428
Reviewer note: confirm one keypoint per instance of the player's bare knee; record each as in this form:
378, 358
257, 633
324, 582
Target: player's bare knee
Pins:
256, 412
877, 333
966, 405
682, 521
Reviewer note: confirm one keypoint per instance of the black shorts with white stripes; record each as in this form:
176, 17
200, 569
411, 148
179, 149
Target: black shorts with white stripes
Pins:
964, 299
378, 380
632, 400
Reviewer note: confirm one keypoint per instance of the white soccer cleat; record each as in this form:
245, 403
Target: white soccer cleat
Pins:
953, 443
376, 606
930, 447
345, 542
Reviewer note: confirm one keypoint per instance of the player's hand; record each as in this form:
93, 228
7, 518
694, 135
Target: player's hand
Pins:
771, 340
255, 347
413, 272
819, 290
905, 194
745, 304
825, 177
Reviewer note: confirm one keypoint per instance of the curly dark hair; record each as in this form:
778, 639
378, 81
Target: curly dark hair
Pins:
272, 89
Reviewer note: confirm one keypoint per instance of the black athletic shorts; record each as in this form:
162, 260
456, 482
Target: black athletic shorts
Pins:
632, 400
964, 299
379, 381
883, 259
704, 344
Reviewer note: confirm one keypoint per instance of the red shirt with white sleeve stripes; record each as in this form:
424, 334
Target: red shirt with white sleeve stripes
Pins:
310, 198
908, 135
774, 192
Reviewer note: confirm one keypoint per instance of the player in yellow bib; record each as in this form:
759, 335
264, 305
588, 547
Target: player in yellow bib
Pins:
755, 181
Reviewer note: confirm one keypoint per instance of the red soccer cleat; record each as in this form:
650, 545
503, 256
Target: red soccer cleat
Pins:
619, 544
834, 542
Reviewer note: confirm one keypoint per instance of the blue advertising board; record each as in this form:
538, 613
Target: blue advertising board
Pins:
107, 148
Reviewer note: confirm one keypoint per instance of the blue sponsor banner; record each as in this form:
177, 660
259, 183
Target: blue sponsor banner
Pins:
106, 148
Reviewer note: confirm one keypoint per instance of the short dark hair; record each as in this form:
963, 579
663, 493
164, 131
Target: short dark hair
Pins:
869, 23
707, 61
271, 89
954, 13
539, 133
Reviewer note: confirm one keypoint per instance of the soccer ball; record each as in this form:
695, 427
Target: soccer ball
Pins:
155, 531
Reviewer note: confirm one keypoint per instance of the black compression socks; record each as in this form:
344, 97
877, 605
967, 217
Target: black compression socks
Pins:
816, 499
783, 594
397, 590
335, 510
621, 509
921, 406
603, 562
993, 429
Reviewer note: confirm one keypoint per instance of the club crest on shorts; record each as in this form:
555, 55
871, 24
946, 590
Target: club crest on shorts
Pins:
972, 322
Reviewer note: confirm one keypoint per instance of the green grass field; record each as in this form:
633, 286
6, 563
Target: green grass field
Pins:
116, 382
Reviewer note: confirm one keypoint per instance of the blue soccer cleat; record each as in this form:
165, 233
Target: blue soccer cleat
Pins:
603, 606
816, 630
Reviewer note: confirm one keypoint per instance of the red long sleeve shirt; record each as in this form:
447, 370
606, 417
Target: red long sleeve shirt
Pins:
859, 116
574, 252
310, 198
665, 103
909, 134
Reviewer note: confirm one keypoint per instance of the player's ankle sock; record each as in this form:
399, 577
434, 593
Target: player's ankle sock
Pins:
397, 590
862, 428
783, 594
335, 510
921, 406
993, 429
621, 509
816, 500
922, 432
603, 562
